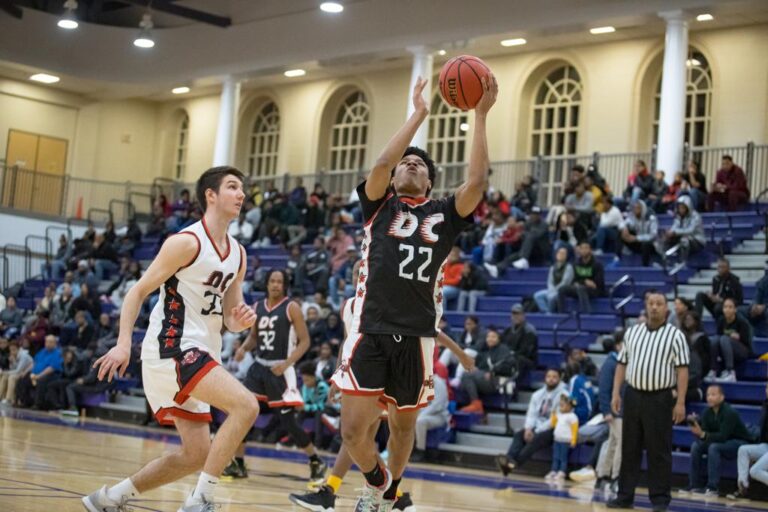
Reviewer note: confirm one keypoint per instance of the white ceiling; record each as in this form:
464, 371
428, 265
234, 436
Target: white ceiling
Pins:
270, 36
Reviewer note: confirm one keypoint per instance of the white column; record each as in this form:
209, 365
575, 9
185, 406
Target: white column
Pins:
672, 109
422, 67
226, 133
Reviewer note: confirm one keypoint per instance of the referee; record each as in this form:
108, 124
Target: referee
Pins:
655, 362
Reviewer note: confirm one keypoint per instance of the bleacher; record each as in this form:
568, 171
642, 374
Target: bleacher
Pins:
473, 441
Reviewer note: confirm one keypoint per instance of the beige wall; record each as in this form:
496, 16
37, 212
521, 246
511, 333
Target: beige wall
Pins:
136, 139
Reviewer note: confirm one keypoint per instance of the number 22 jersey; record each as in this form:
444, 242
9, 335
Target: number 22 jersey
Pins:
189, 312
406, 242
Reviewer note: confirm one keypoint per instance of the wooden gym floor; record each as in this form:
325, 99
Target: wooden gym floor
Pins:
47, 464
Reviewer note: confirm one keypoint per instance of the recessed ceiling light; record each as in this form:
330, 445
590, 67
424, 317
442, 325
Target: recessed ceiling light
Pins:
68, 24
441, 52
513, 42
180, 90
145, 40
292, 73
705, 17
68, 20
692, 62
602, 30
44, 78
464, 127
332, 7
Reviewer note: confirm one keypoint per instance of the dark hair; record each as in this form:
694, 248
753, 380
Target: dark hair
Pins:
724, 260
687, 302
578, 168
696, 319
211, 179
473, 318
728, 157
694, 163
281, 272
609, 343
719, 388
642, 162
307, 368
652, 291
552, 369
413, 150
733, 301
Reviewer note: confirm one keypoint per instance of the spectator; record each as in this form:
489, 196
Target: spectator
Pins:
338, 246
239, 369
589, 281
83, 275
733, 343
639, 183
660, 189
182, 204
560, 275
524, 198
241, 229
535, 246
580, 389
756, 311
452, 275
607, 237
566, 433
104, 257
61, 304
320, 193
639, 231
5, 354
434, 415
471, 340
37, 331
130, 240
681, 307
700, 350
473, 285
753, 453
316, 326
11, 319
581, 204
566, 234
725, 285
335, 329
598, 198
497, 201
88, 301
730, 190
673, 192
71, 369
487, 248
324, 308
493, 360
83, 336
340, 283
19, 364
578, 362
314, 218
58, 265
687, 229
577, 175
523, 341
537, 433
33, 386
298, 196
695, 185
510, 240
314, 391
127, 279
90, 383
105, 333
314, 267
291, 268
719, 435
325, 364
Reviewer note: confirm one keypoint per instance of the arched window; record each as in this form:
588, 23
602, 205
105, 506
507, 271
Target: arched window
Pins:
448, 128
698, 100
181, 147
349, 134
556, 111
265, 141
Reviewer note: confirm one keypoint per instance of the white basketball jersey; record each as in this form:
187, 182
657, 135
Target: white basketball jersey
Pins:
348, 314
189, 313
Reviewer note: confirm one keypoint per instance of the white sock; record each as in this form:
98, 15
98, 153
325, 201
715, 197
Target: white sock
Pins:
206, 485
123, 489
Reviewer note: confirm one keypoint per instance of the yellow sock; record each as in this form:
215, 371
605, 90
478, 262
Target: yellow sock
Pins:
399, 492
334, 483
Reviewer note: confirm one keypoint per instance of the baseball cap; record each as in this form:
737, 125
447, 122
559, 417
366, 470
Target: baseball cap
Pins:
518, 308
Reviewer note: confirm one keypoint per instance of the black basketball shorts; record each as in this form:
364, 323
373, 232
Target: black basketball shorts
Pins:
276, 390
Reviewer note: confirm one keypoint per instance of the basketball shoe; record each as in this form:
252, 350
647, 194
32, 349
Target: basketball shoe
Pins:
323, 500
99, 502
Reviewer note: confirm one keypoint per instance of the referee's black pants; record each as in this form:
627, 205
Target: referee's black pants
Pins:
647, 425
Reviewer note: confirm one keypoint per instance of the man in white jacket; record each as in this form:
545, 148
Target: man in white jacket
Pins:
537, 433
607, 236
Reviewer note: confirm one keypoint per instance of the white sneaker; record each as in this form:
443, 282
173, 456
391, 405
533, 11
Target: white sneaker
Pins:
584, 474
521, 264
99, 502
560, 476
493, 270
727, 376
372, 498
598, 252
711, 376
550, 476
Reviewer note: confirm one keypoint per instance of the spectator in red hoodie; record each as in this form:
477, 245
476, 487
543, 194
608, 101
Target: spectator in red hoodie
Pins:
730, 189
452, 275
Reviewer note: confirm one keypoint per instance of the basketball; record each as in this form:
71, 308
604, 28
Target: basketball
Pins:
461, 83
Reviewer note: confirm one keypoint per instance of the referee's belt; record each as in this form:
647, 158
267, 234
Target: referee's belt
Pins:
270, 364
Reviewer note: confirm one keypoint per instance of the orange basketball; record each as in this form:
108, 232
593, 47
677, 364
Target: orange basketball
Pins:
460, 81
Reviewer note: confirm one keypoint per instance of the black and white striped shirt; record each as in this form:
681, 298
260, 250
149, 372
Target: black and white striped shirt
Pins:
652, 356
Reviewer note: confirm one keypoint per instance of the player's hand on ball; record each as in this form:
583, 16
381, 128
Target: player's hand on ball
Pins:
490, 92
114, 361
419, 103
244, 317
279, 369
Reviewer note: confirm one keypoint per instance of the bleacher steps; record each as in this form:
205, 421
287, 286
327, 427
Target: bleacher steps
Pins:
746, 276
128, 408
491, 442
472, 450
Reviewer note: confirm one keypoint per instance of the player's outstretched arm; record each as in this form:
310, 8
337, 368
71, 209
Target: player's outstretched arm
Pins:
467, 361
470, 193
177, 252
379, 177
238, 316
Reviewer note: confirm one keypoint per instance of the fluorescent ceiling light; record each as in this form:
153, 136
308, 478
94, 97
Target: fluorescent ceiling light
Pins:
513, 42
464, 127
705, 17
602, 30
292, 73
44, 78
180, 90
331, 7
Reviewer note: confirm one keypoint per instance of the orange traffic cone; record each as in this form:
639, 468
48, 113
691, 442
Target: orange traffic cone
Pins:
79, 209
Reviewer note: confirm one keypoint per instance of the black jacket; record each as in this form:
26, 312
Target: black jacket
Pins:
476, 279
591, 269
728, 287
524, 342
497, 360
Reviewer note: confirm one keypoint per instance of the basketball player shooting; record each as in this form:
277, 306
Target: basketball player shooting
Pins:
388, 353
199, 272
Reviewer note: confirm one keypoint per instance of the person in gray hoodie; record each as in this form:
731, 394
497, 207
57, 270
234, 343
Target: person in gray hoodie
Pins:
639, 230
687, 229
560, 274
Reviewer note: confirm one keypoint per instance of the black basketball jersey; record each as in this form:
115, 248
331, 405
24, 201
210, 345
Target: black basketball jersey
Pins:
275, 335
403, 255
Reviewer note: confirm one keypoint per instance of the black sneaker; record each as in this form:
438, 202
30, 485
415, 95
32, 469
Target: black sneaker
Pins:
321, 501
504, 464
737, 495
235, 470
404, 503
600, 483
619, 504
317, 470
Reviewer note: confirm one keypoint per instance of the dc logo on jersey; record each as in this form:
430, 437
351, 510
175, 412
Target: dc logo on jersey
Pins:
190, 357
217, 280
404, 225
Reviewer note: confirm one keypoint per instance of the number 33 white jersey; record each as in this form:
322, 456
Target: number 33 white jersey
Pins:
189, 313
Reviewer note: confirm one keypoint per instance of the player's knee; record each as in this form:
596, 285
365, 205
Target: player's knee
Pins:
354, 432
195, 456
250, 407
